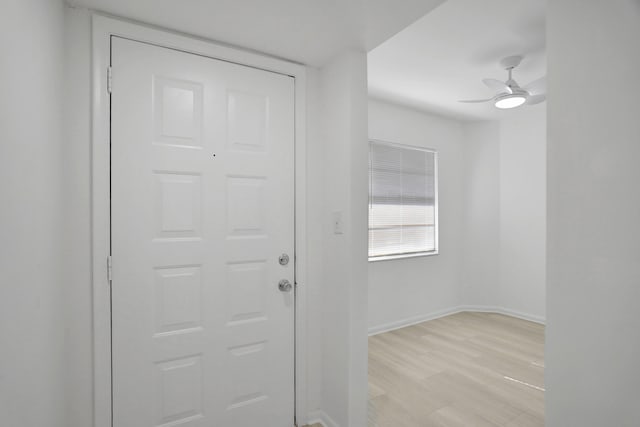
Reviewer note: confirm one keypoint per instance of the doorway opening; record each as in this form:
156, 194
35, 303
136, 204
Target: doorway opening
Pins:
457, 338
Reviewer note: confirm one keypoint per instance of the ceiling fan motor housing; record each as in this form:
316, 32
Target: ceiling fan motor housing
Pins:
510, 62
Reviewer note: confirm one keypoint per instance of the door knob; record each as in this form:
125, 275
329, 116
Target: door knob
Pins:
284, 285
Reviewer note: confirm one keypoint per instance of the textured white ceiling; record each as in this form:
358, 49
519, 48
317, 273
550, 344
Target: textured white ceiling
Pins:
305, 31
444, 56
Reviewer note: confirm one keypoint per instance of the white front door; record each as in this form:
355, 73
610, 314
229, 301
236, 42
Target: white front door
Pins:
202, 206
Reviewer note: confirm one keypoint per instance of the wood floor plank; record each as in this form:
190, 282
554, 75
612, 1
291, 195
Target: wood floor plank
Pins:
456, 416
467, 369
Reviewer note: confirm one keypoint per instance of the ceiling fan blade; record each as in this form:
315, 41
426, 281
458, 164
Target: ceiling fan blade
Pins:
497, 85
537, 87
476, 100
536, 99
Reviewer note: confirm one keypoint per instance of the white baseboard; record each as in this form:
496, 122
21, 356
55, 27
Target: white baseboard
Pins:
402, 323
321, 417
505, 311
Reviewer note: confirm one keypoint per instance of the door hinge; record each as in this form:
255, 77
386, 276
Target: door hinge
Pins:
109, 79
109, 269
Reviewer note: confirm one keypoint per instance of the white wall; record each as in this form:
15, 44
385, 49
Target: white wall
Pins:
344, 285
481, 263
315, 244
593, 291
492, 192
77, 242
31, 311
405, 290
505, 214
523, 211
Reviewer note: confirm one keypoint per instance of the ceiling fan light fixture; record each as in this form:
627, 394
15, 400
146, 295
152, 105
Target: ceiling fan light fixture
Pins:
511, 100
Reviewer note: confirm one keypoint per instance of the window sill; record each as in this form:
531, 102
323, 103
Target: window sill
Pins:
402, 256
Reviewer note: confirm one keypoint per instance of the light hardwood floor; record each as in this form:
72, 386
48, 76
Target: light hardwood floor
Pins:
464, 370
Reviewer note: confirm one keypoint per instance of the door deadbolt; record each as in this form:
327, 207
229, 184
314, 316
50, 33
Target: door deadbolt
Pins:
283, 259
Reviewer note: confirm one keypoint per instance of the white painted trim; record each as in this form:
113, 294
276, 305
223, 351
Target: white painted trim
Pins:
502, 310
300, 256
103, 28
403, 323
100, 240
321, 417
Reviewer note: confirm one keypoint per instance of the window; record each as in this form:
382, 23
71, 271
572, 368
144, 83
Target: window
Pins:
403, 205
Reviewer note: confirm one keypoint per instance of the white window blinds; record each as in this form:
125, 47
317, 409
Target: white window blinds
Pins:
402, 201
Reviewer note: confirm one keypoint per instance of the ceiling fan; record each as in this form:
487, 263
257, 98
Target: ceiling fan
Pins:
509, 93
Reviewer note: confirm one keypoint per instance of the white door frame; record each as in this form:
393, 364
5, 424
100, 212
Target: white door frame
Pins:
103, 28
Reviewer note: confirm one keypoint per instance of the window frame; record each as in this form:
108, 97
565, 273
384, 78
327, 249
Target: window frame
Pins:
436, 221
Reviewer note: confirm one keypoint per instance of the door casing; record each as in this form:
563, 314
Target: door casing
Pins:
103, 28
